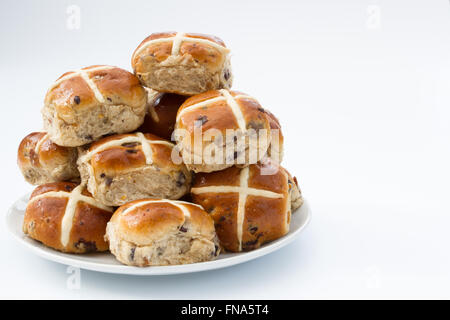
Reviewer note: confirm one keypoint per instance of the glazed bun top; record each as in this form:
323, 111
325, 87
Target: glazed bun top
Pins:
205, 49
222, 109
64, 216
145, 221
125, 151
37, 147
67, 190
94, 86
266, 180
250, 205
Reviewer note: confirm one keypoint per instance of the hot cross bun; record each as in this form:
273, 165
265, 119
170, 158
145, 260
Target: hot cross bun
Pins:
65, 217
182, 63
84, 105
220, 128
42, 161
152, 232
250, 206
122, 168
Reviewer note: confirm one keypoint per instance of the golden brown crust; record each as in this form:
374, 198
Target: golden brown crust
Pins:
129, 155
223, 209
121, 168
119, 86
197, 216
152, 232
219, 115
42, 221
228, 177
224, 120
276, 181
209, 56
43, 161
200, 51
69, 95
143, 221
88, 232
55, 186
153, 218
26, 154
82, 106
44, 215
71, 92
182, 63
267, 205
153, 36
265, 220
200, 98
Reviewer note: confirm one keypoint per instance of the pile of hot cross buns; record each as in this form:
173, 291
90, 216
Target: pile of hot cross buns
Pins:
162, 166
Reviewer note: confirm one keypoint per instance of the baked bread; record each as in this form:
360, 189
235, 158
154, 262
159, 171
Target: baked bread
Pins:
127, 167
250, 206
42, 161
84, 105
161, 113
231, 129
182, 63
276, 148
65, 217
155, 232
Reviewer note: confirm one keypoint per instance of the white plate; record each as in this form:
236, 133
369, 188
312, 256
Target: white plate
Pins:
105, 262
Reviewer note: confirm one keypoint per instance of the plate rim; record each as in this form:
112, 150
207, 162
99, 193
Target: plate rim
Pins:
71, 260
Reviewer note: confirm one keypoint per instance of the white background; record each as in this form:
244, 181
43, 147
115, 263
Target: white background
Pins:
362, 89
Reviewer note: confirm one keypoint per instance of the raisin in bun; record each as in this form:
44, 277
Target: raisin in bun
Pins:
182, 63
161, 113
250, 206
81, 106
42, 161
233, 127
127, 167
155, 232
65, 217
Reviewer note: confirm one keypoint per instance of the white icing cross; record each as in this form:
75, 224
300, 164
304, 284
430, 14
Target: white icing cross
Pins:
231, 102
179, 204
137, 137
85, 76
176, 44
73, 198
177, 40
243, 190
